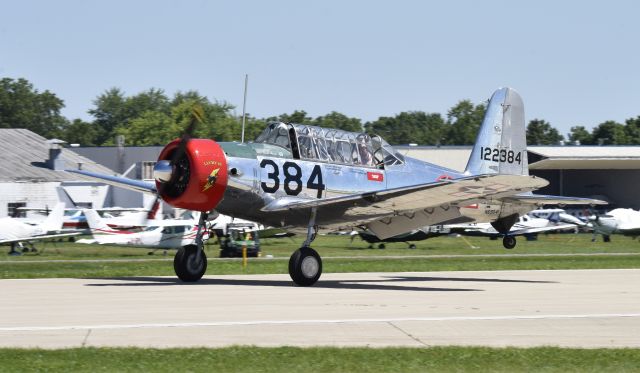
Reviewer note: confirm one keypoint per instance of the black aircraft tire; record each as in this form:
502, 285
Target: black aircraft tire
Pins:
185, 265
509, 242
305, 266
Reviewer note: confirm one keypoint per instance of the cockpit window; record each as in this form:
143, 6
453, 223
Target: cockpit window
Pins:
331, 145
384, 154
276, 134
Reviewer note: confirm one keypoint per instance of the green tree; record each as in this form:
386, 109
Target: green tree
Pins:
150, 128
298, 116
609, 133
580, 134
464, 121
109, 112
113, 109
23, 106
338, 120
632, 130
80, 132
540, 132
410, 127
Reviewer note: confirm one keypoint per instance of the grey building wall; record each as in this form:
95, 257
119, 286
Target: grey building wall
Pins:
619, 187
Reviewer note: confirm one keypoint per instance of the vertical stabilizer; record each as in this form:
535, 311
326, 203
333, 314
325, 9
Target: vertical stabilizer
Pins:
95, 222
54, 220
64, 197
501, 145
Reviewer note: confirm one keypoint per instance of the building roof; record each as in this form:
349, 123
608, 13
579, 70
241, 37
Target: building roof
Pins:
584, 157
24, 157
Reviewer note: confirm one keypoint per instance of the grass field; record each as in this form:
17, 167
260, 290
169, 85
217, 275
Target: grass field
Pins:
289, 359
340, 255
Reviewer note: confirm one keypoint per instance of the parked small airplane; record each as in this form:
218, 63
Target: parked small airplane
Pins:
158, 234
15, 232
617, 221
525, 226
557, 215
296, 176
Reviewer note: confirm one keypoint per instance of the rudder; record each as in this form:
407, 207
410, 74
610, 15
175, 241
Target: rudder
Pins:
501, 144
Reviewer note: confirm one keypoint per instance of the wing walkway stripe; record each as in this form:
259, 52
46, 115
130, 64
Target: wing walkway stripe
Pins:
295, 322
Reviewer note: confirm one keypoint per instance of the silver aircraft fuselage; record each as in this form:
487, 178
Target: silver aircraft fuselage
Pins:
256, 181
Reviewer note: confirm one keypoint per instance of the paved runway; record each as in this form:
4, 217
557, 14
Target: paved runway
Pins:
580, 308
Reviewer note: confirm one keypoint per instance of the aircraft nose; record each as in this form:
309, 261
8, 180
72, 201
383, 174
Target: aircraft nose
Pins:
162, 171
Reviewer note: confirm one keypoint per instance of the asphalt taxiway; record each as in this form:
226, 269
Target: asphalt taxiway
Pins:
576, 308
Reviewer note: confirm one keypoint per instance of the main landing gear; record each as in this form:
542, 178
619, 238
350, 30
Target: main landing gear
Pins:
509, 242
190, 262
305, 265
503, 226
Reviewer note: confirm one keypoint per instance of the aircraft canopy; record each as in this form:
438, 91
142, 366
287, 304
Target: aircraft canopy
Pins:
331, 145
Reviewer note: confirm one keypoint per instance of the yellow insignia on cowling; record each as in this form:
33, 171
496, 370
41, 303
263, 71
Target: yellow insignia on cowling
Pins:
211, 179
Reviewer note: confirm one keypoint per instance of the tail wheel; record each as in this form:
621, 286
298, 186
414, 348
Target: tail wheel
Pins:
305, 266
190, 265
509, 242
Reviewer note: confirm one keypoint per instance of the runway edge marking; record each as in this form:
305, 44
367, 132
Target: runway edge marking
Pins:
291, 322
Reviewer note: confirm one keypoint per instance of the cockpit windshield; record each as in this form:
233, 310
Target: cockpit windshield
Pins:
275, 134
331, 145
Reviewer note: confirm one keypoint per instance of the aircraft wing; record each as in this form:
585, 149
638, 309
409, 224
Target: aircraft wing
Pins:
391, 212
122, 182
549, 228
542, 199
420, 196
38, 238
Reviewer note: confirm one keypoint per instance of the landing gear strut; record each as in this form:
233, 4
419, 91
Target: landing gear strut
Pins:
190, 262
13, 251
305, 264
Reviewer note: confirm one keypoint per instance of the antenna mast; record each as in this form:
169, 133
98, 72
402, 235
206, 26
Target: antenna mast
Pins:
244, 105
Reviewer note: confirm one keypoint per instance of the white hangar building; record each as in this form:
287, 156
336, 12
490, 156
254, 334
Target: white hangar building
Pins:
31, 169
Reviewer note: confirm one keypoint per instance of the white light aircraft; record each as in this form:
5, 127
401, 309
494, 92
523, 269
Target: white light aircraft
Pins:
15, 232
158, 234
525, 226
617, 221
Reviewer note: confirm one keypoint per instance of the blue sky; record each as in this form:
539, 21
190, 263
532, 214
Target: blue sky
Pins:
574, 63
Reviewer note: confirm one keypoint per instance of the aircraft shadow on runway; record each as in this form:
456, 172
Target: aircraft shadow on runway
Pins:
324, 284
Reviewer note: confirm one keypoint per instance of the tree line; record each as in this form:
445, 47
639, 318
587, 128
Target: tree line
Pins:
153, 117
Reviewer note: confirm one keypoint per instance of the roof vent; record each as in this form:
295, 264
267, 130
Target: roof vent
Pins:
55, 161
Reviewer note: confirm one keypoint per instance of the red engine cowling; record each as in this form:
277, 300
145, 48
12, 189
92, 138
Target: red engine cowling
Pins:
199, 175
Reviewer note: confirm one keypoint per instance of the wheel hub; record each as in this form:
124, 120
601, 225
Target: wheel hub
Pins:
309, 267
194, 263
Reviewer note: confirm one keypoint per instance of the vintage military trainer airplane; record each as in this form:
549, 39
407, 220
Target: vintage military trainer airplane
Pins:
299, 176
